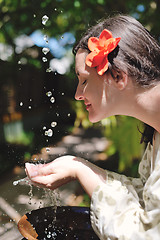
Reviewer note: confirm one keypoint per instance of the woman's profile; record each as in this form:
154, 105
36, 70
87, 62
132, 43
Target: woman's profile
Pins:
117, 63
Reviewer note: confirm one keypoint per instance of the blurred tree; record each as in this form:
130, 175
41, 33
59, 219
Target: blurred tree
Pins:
23, 17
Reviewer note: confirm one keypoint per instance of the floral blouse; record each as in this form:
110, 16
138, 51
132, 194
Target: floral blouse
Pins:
127, 208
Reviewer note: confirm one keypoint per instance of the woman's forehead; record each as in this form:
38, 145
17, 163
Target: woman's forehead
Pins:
80, 66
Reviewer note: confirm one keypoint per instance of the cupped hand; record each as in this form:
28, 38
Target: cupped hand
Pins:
54, 174
65, 169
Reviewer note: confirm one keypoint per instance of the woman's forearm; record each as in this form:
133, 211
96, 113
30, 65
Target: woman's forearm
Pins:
90, 176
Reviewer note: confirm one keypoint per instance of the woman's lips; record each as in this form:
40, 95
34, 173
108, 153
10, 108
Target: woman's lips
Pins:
87, 106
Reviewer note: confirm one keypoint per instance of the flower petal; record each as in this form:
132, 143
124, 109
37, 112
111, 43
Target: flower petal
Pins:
102, 68
93, 59
100, 48
93, 42
111, 44
105, 35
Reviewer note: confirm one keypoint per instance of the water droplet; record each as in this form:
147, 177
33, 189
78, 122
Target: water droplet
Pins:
55, 9
62, 93
53, 124
19, 62
69, 115
45, 19
62, 37
29, 107
49, 94
45, 50
30, 99
34, 15
50, 132
52, 99
44, 128
21, 104
46, 38
49, 70
47, 149
46, 133
44, 59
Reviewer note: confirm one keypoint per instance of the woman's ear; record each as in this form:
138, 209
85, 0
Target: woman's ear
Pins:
120, 79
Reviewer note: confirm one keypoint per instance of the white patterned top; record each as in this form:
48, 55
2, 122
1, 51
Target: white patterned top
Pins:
127, 208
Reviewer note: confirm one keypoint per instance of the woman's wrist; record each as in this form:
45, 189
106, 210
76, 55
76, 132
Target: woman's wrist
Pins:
89, 175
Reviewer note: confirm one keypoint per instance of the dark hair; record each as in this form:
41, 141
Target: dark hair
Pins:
137, 54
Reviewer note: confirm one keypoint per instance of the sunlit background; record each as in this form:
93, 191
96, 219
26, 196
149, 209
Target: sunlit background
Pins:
39, 118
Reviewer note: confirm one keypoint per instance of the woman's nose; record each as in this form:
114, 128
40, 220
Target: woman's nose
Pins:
79, 94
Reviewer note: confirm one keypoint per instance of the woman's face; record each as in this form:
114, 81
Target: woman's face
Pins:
95, 90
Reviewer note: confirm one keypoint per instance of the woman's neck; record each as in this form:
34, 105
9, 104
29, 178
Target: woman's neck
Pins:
146, 106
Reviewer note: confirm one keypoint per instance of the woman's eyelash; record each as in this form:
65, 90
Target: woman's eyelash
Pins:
84, 82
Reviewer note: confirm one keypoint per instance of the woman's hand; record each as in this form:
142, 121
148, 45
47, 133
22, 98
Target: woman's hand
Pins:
63, 170
53, 174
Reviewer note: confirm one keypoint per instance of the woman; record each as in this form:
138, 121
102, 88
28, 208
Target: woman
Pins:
118, 67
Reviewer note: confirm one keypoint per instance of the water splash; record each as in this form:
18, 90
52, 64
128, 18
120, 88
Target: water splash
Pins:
30, 193
45, 19
26, 179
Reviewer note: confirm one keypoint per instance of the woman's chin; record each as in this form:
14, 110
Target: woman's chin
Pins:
93, 119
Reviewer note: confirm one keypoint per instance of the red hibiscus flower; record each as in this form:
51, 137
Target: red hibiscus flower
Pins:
100, 48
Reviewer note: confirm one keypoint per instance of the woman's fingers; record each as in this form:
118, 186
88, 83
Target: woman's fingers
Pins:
53, 174
51, 181
33, 170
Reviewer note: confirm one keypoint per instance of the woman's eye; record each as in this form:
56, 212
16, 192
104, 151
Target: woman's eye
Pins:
84, 82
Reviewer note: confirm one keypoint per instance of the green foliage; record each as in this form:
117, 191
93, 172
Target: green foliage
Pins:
81, 116
14, 134
124, 134
23, 17
86, 201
